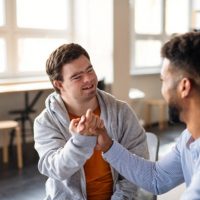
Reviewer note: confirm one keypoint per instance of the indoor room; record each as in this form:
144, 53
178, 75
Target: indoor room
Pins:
123, 39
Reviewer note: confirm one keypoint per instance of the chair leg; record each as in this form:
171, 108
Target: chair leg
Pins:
31, 124
12, 136
5, 148
23, 121
19, 148
148, 115
162, 113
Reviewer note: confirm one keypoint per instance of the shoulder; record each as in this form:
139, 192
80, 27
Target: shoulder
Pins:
43, 118
185, 136
111, 100
183, 140
51, 105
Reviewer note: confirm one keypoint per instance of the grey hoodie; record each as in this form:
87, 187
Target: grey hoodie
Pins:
62, 156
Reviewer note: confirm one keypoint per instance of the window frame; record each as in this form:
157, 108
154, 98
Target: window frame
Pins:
11, 33
162, 37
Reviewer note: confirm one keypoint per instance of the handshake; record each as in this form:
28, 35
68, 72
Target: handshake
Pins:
91, 125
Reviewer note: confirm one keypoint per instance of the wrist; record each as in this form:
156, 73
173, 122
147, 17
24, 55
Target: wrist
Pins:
107, 146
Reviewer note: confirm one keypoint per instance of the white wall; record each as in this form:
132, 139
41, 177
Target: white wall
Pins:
123, 81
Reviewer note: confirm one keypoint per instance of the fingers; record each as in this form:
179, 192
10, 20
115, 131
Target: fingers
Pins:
77, 125
93, 122
89, 115
73, 125
87, 124
81, 125
101, 125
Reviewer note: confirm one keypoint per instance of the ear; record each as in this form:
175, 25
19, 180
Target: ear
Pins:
57, 84
185, 87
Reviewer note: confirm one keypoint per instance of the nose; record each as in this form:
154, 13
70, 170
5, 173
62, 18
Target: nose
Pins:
86, 77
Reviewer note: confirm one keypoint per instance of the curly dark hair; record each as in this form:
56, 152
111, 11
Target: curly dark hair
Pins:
183, 52
64, 54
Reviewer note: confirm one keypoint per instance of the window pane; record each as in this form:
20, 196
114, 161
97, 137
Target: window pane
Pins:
196, 4
196, 14
197, 20
147, 53
2, 55
177, 22
92, 30
43, 14
33, 52
148, 16
2, 17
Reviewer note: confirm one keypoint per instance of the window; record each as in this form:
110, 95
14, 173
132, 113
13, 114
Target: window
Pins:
30, 14
2, 19
152, 23
196, 15
94, 30
32, 29
2, 39
2, 55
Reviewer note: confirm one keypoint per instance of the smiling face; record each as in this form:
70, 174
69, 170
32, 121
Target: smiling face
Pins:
79, 81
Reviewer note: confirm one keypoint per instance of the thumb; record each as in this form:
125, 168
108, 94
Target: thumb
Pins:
73, 124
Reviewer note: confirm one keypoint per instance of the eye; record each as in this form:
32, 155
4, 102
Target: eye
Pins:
76, 78
90, 70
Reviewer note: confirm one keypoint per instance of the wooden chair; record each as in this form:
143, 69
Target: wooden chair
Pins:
5, 127
161, 105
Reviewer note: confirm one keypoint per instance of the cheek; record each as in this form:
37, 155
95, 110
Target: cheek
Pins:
165, 92
94, 77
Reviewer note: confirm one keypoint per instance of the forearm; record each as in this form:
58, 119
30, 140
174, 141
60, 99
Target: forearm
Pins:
133, 168
61, 163
156, 177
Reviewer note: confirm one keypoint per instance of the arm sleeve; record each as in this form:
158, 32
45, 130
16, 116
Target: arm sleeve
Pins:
59, 158
158, 177
131, 136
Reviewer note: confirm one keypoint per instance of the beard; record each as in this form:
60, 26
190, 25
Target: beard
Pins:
174, 113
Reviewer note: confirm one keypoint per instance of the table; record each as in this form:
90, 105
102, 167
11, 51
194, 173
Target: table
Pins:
136, 94
26, 87
10, 87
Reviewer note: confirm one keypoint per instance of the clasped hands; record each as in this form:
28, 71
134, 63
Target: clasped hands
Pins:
91, 125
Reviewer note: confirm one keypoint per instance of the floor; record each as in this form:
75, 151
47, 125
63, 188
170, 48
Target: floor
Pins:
25, 184
28, 184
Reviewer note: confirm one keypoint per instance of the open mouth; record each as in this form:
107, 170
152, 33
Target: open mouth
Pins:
88, 87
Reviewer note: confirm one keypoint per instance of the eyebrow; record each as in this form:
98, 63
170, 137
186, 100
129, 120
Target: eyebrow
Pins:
81, 72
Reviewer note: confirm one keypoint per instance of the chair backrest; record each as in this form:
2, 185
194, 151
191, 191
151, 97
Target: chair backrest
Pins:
153, 145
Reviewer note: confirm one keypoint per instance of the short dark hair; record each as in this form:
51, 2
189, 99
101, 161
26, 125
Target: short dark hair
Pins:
183, 52
64, 54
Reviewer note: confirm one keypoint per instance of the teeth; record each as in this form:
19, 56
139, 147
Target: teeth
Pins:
88, 87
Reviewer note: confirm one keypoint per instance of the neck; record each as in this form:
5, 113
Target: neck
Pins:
79, 109
191, 118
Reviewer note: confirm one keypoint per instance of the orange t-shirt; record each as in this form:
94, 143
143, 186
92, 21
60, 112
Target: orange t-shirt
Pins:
99, 182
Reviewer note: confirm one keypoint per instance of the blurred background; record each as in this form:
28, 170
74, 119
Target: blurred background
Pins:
123, 38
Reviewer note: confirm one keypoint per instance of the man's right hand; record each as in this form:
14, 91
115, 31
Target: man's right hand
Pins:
87, 124
104, 142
